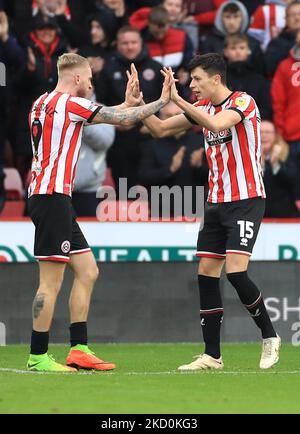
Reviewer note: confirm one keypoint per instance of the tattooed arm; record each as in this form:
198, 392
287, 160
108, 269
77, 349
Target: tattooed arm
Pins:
129, 116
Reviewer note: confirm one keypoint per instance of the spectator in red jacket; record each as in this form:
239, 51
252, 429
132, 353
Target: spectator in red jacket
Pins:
168, 46
205, 11
139, 18
177, 18
286, 99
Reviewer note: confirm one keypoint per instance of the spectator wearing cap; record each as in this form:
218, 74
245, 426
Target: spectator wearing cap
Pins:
232, 18
125, 153
68, 13
44, 46
168, 46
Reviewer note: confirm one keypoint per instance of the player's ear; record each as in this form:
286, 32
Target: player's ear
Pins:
77, 78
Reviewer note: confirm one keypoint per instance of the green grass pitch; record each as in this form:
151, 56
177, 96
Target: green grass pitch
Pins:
146, 381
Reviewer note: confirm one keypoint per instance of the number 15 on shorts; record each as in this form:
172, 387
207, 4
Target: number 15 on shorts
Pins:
246, 231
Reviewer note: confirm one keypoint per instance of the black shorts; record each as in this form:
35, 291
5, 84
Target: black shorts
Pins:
57, 233
230, 227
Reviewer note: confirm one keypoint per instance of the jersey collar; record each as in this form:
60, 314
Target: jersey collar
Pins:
223, 102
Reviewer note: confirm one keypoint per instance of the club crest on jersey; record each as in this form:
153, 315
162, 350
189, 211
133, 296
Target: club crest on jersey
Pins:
65, 246
241, 102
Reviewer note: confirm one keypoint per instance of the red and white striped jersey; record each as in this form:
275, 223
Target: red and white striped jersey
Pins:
234, 155
56, 123
266, 22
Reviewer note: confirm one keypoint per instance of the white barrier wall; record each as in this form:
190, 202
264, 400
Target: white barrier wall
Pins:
138, 242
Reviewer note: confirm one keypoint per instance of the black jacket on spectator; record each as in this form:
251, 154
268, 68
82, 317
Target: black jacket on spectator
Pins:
281, 190
124, 155
214, 42
29, 86
108, 16
156, 160
278, 50
73, 29
13, 57
111, 86
97, 50
241, 76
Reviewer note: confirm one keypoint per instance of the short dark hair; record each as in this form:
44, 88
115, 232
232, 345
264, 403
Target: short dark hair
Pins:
236, 39
128, 29
159, 16
231, 8
212, 63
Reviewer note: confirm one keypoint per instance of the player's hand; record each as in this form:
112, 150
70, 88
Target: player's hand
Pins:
196, 159
177, 159
4, 28
133, 95
31, 60
171, 82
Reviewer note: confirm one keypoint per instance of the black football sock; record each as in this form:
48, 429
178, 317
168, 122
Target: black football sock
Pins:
78, 333
39, 342
211, 314
253, 301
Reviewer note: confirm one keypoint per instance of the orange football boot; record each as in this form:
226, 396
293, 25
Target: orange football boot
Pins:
81, 357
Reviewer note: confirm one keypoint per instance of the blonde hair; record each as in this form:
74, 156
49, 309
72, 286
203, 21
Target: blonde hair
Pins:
69, 61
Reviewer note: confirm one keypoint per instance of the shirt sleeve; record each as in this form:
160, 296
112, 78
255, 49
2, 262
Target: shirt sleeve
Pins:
245, 105
201, 105
82, 110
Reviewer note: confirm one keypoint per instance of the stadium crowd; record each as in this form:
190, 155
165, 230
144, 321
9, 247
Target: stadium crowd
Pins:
260, 41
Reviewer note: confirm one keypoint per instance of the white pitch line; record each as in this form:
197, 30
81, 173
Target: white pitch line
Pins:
271, 372
23, 371
212, 372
